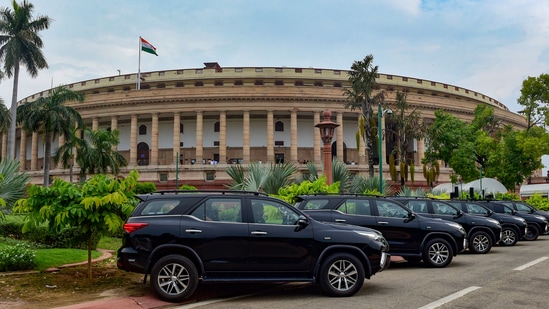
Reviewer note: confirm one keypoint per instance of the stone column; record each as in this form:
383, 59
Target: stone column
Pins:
223, 137
293, 136
246, 137
23, 151
4, 145
34, 152
61, 143
317, 148
270, 137
133, 141
114, 126
199, 136
176, 137
154, 140
339, 136
95, 123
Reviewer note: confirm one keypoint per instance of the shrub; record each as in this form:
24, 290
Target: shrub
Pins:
17, 257
144, 188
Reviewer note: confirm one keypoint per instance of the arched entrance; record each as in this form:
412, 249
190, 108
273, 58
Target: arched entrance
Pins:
334, 151
143, 154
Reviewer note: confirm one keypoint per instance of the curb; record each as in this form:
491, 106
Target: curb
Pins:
106, 254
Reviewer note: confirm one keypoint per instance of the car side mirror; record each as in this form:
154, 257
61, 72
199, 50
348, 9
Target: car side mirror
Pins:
458, 214
411, 216
302, 221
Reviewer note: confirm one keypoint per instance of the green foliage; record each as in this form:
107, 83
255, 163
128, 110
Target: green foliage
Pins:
12, 184
187, 188
268, 178
369, 185
17, 257
98, 156
439, 196
538, 201
534, 97
99, 205
406, 191
507, 196
291, 191
144, 188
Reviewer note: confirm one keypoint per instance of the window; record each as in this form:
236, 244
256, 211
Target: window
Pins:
444, 209
391, 210
181, 128
279, 158
160, 207
238, 83
279, 143
142, 129
163, 177
315, 204
218, 83
476, 209
272, 212
210, 176
418, 206
216, 126
198, 84
258, 83
219, 209
279, 126
356, 207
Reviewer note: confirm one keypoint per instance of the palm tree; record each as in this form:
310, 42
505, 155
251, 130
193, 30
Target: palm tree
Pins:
51, 116
5, 118
97, 156
20, 44
261, 177
361, 96
66, 152
12, 183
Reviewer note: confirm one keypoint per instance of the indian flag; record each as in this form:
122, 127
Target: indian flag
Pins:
147, 47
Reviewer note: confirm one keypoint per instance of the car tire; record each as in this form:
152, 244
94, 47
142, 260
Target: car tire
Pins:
341, 275
437, 253
509, 237
532, 233
480, 242
174, 278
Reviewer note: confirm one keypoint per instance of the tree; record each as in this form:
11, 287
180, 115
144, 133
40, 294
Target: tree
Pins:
408, 126
361, 96
51, 116
20, 44
100, 205
67, 152
261, 177
534, 96
95, 154
12, 183
5, 118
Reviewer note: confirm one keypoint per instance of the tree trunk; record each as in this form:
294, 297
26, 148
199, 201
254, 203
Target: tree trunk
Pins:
90, 256
13, 113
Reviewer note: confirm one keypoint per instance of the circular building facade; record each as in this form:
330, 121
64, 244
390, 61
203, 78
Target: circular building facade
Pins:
185, 126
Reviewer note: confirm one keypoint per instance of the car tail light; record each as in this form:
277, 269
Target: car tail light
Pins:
132, 227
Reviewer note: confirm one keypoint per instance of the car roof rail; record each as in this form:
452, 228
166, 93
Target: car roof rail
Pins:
222, 192
342, 194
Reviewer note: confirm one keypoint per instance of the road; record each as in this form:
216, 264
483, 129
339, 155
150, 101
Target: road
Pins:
507, 277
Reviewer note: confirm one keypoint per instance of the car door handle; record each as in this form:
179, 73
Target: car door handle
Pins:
259, 233
340, 220
193, 231
383, 222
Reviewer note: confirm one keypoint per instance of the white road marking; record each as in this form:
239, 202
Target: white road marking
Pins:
534, 262
450, 298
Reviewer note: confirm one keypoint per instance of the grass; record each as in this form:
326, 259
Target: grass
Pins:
47, 258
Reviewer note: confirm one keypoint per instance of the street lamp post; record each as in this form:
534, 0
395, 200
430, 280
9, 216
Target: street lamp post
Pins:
380, 152
327, 128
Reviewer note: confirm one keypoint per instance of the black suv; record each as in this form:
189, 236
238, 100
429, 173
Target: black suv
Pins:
513, 228
536, 224
482, 233
526, 208
411, 236
182, 237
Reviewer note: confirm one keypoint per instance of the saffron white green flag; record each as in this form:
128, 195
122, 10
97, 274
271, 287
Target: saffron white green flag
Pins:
147, 47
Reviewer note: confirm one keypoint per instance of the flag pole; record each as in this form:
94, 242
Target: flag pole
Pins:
139, 67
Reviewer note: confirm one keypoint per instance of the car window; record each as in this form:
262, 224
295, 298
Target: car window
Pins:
418, 206
315, 204
390, 209
219, 209
522, 207
443, 209
272, 212
356, 207
160, 207
476, 209
508, 210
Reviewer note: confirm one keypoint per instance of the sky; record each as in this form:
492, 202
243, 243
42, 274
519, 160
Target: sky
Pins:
488, 46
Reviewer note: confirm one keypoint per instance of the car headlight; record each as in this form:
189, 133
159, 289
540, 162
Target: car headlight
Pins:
371, 234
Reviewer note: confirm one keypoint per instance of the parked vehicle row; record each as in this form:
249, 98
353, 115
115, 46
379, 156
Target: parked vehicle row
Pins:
183, 238
423, 228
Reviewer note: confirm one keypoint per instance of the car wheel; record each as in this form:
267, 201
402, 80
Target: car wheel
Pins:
532, 233
437, 253
174, 278
480, 242
341, 275
509, 237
